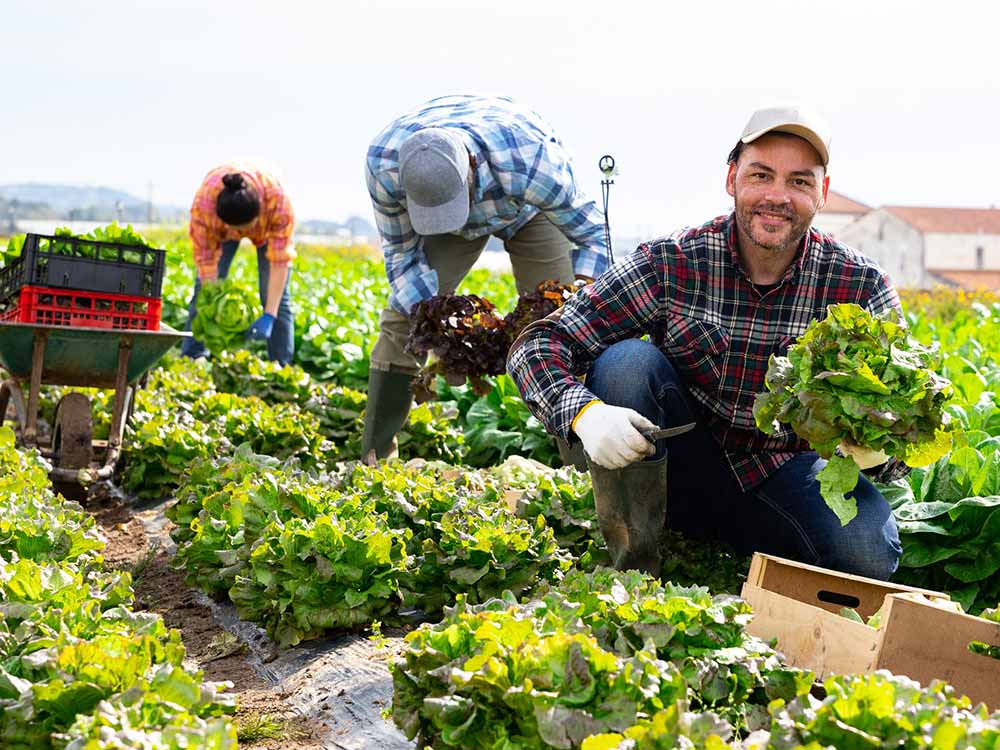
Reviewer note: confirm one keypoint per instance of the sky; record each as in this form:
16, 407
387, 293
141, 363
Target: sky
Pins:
133, 94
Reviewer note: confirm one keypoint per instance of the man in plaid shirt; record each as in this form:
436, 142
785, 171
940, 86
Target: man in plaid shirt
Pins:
716, 302
443, 179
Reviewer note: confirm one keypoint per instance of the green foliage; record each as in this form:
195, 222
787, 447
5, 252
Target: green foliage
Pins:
341, 417
430, 432
257, 531
32, 527
978, 647
121, 235
949, 520
225, 309
244, 374
861, 379
881, 710
78, 667
175, 711
564, 497
159, 450
210, 476
281, 430
595, 655
307, 576
667, 729
13, 250
498, 424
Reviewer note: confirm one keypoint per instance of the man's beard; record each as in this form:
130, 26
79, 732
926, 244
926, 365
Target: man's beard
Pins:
777, 242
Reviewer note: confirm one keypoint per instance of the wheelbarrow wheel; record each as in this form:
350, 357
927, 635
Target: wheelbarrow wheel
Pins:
11, 395
72, 441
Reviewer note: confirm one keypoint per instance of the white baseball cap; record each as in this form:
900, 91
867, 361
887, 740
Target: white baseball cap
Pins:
792, 119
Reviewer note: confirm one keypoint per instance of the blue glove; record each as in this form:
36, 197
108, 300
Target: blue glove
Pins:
261, 329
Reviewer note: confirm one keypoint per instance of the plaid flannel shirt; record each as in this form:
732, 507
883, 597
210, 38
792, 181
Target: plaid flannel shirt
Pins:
273, 226
690, 294
521, 168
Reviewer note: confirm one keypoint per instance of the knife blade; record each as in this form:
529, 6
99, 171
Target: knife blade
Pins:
665, 432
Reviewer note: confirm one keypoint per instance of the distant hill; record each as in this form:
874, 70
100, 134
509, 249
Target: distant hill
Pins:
90, 203
80, 202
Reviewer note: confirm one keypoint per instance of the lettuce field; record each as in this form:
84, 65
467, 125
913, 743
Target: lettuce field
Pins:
472, 564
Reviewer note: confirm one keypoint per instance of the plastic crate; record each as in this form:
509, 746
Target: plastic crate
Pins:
72, 263
82, 309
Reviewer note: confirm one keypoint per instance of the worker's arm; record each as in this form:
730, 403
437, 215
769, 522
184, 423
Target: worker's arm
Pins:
276, 208
276, 280
276, 211
411, 278
548, 355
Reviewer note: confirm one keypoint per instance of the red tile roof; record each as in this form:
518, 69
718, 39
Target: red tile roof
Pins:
949, 220
968, 279
838, 203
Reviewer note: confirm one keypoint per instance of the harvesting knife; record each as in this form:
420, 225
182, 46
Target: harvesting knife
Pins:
654, 435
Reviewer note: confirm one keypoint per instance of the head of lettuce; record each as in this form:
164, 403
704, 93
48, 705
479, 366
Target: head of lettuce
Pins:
224, 310
857, 382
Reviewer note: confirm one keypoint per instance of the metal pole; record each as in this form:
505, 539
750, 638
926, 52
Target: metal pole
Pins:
607, 167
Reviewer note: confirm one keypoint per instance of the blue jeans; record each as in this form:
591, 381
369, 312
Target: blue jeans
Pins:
783, 516
281, 345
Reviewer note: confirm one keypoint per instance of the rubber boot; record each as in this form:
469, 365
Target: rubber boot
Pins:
632, 511
389, 400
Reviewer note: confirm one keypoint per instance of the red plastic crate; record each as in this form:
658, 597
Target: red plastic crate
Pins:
83, 309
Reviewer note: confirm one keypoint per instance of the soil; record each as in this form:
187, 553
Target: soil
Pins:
162, 590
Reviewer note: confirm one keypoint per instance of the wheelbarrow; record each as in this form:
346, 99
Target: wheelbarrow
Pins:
83, 357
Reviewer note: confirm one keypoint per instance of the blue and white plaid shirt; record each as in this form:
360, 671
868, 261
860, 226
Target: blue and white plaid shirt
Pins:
521, 168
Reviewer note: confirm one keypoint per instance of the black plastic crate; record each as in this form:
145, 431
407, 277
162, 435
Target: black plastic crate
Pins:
73, 263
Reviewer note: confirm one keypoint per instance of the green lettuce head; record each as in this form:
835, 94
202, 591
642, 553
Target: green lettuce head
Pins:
224, 310
859, 379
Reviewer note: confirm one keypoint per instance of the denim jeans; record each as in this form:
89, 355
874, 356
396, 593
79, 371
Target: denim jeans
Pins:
281, 345
783, 516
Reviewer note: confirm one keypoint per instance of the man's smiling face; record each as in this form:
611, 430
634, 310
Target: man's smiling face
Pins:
779, 184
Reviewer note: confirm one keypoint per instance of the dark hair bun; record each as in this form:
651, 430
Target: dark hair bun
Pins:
233, 181
238, 202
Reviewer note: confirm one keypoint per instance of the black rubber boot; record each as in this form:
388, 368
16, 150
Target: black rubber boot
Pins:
632, 510
389, 400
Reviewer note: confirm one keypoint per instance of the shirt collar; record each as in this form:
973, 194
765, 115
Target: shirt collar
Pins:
791, 273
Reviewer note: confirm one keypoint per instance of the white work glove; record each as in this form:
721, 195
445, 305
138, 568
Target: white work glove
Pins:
611, 437
865, 458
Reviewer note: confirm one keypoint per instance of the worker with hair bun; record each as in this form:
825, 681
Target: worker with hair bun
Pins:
233, 202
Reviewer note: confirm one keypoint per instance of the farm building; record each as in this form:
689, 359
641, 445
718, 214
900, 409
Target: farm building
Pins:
838, 212
925, 246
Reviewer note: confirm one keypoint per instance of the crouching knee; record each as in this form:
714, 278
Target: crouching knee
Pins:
630, 373
871, 550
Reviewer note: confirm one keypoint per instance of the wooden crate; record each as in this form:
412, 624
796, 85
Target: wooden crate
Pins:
798, 605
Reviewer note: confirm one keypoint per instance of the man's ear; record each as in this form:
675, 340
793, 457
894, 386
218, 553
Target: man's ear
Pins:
731, 179
826, 190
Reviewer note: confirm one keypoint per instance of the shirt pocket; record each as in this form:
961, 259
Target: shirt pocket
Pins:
697, 351
757, 357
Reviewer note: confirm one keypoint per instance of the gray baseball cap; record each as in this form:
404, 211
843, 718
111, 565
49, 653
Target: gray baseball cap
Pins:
434, 172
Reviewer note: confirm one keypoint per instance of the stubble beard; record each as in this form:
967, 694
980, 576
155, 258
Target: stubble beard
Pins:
768, 241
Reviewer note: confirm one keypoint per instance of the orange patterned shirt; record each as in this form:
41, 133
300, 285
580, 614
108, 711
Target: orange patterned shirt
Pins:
274, 225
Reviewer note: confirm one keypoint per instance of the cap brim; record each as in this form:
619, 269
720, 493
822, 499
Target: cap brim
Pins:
448, 217
794, 129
